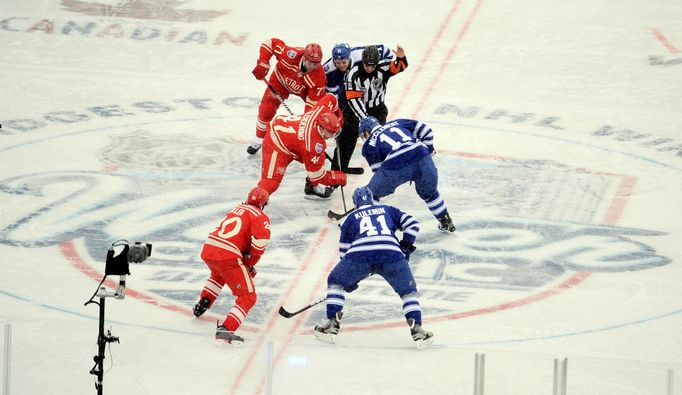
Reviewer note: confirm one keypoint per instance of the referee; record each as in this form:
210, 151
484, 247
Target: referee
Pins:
365, 85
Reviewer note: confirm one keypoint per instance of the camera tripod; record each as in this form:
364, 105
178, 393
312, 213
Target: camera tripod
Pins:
104, 338
116, 265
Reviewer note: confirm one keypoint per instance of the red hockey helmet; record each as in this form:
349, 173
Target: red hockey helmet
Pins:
330, 123
257, 197
313, 53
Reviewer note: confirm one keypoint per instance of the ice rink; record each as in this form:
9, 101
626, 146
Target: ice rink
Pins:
558, 131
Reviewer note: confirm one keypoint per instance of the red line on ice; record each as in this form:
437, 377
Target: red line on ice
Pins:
274, 315
619, 201
444, 64
664, 40
427, 56
69, 251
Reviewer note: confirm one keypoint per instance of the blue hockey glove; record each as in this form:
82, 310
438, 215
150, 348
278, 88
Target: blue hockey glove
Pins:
407, 248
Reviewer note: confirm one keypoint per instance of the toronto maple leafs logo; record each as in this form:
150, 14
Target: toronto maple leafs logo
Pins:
162, 10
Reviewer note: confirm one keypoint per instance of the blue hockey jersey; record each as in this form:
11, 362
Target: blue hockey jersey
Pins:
368, 233
335, 77
397, 143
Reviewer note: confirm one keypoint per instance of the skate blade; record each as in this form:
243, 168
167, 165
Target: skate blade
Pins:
315, 197
423, 344
325, 337
222, 343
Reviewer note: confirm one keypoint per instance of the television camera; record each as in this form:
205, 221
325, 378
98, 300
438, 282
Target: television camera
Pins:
119, 256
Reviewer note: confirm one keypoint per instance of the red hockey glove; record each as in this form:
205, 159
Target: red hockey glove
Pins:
261, 70
334, 177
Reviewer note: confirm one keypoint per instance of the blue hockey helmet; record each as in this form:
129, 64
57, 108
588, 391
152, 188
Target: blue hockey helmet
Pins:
367, 124
363, 196
341, 51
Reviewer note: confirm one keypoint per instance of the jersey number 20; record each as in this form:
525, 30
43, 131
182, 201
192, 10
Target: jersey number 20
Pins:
225, 231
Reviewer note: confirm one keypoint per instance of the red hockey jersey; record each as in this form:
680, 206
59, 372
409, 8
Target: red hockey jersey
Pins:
244, 231
298, 136
310, 85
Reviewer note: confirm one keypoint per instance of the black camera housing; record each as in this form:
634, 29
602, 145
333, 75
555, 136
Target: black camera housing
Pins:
119, 264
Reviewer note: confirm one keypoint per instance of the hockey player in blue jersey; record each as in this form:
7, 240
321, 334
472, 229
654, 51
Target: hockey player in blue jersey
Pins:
399, 152
368, 245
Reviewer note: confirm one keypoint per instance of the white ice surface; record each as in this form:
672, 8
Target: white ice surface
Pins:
558, 130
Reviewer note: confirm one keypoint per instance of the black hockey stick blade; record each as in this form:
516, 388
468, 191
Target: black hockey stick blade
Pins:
338, 216
284, 313
354, 170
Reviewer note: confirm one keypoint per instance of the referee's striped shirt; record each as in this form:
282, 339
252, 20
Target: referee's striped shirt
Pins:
368, 90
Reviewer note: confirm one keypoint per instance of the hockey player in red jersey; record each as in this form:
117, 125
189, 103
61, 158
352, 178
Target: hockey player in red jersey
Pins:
302, 139
231, 252
297, 72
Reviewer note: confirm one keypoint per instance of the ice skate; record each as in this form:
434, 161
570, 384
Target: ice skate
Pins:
446, 224
319, 192
423, 338
225, 337
256, 143
328, 331
253, 148
201, 307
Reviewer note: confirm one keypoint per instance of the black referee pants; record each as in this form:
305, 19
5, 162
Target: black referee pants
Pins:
348, 138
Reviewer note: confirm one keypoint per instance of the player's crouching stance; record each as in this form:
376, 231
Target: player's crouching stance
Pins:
303, 139
231, 252
368, 245
399, 152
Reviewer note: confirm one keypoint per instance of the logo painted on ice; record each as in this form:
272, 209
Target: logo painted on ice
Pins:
169, 189
512, 256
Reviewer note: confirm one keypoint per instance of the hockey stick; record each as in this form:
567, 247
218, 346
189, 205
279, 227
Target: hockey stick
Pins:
284, 313
337, 216
278, 97
338, 160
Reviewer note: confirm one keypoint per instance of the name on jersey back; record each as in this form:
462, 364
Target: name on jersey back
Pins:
369, 211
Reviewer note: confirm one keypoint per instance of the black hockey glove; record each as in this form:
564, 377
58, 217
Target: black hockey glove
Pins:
351, 288
407, 248
252, 271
